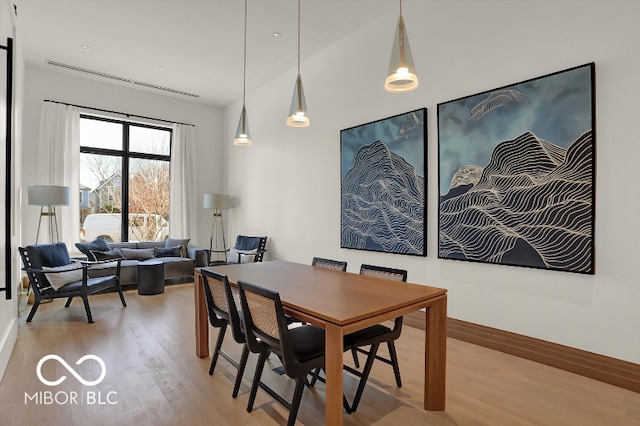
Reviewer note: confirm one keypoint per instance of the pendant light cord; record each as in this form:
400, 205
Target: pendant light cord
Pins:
400, 7
244, 73
298, 37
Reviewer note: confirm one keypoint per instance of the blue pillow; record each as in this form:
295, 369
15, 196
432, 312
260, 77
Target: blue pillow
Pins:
107, 255
168, 252
173, 242
247, 243
99, 244
48, 255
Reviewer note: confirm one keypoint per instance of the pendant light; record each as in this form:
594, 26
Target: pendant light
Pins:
243, 136
402, 74
298, 114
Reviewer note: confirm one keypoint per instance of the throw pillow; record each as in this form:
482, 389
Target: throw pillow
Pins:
168, 252
137, 254
247, 256
107, 255
59, 279
99, 244
172, 242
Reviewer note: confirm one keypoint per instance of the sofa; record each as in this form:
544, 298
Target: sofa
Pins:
178, 257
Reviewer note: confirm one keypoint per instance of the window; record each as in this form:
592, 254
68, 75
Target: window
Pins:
124, 180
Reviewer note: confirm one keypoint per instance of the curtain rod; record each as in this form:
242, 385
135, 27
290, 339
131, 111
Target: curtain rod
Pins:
120, 113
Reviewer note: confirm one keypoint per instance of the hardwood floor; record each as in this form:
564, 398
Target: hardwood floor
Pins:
154, 378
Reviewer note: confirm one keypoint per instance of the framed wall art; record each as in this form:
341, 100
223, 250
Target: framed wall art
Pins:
517, 174
383, 185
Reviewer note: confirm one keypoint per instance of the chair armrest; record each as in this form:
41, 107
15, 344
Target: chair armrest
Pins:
42, 271
248, 253
199, 255
89, 263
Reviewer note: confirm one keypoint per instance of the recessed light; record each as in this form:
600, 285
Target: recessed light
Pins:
216, 81
161, 67
85, 47
276, 34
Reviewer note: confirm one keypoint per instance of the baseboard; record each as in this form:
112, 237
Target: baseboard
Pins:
7, 343
599, 367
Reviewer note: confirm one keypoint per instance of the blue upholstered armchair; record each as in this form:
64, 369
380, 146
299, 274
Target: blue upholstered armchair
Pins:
53, 275
247, 249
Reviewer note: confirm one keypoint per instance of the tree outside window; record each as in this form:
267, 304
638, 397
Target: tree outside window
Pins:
125, 170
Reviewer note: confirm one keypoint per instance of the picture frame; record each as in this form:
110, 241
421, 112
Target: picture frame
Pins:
383, 181
516, 174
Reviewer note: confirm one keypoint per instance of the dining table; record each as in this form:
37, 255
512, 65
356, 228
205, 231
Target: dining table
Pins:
340, 303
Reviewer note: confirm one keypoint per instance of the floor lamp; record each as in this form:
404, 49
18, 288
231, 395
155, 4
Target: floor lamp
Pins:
217, 202
48, 196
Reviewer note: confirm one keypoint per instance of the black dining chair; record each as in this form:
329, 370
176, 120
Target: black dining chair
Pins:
223, 312
329, 264
373, 336
301, 349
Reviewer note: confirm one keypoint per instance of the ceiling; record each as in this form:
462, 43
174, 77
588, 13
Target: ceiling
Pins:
191, 46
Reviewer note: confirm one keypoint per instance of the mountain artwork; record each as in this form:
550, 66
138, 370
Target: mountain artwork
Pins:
517, 175
383, 185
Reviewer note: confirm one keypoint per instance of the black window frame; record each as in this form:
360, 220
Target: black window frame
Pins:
126, 155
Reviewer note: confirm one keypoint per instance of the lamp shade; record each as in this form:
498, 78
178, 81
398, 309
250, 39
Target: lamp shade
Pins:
216, 201
298, 113
48, 195
243, 136
402, 74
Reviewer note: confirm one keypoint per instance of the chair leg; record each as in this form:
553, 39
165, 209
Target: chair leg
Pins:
85, 299
262, 358
34, 308
241, 366
295, 402
124, 303
365, 376
66, 305
314, 377
354, 352
394, 362
216, 350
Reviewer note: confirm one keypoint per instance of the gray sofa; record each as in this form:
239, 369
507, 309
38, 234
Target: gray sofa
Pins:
176, 268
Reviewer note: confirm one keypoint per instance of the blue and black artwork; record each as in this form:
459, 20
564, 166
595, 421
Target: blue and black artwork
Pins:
516, 174
383, 185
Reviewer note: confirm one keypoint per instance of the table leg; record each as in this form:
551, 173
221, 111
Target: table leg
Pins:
435, 358
201, 318
333, 371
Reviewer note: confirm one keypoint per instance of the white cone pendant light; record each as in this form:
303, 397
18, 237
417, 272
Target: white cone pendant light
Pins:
298, 113
243, 136
402, 74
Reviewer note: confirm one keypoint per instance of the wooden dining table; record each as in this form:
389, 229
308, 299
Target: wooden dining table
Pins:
341, 303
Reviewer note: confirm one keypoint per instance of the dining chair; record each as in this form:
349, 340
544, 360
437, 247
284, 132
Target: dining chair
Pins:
374, 335
329, 264
223, 312
300, 349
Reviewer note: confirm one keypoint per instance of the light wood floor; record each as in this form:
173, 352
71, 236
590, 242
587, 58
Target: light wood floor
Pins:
151, 366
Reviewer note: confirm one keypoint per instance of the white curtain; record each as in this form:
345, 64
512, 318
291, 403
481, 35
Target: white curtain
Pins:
181, 192
59, 158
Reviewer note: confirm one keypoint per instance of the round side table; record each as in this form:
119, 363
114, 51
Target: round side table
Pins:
151, 277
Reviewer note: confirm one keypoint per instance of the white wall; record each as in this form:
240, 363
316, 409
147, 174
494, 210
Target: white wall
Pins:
287, 186
71, 88
9, 308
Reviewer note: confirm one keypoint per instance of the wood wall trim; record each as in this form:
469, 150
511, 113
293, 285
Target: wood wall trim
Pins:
599, 367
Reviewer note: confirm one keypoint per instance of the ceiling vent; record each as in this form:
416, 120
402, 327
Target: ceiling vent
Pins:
118, 78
